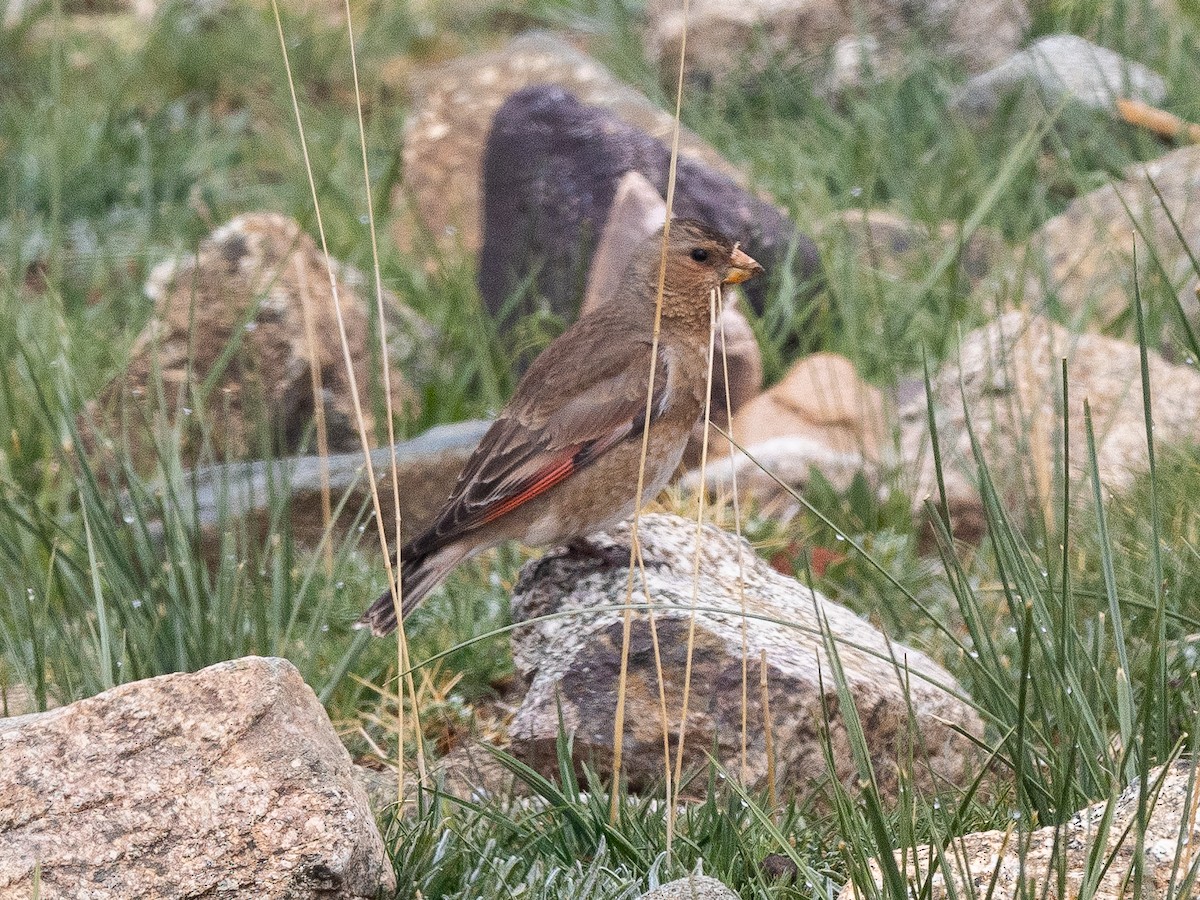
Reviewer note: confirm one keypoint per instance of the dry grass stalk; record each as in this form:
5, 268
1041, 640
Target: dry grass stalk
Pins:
768, 731
1159, 121
634, 548
318, 392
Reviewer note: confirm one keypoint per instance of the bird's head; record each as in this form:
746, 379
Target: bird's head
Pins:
699, 260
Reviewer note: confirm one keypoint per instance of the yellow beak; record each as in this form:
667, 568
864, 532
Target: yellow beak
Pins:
742, 267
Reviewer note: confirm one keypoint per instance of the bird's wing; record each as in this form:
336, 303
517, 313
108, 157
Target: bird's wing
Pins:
540, 440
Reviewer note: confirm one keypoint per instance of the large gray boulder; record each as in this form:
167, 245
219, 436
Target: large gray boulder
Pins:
226, 782
572, 660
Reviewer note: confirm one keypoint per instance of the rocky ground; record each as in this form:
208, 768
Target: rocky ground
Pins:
937, 630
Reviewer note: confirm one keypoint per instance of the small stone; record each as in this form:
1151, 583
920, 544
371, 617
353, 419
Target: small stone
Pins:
856, 62
823, 398
694, 887
1062, 67
777, 866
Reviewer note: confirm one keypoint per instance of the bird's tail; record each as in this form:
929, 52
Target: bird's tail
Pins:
419, 574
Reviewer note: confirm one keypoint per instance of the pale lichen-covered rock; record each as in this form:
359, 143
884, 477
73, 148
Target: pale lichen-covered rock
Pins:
733, 39
227, 781
694, 887
822, 416
1003, 865
572, 660
1010, 374
1083, 258
1060, 68
236, 333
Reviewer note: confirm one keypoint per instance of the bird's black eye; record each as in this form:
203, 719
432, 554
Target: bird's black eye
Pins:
699, 254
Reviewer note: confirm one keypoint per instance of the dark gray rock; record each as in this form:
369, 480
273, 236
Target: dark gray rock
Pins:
453, 105
550, 173
427, 467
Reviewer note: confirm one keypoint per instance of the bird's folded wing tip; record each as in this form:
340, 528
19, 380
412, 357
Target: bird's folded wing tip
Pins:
379, 626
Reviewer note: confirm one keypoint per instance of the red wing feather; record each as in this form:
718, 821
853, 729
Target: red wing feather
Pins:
562, 466
516, 461
538, 484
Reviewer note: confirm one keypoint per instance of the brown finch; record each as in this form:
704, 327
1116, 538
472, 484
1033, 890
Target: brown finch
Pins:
561, 460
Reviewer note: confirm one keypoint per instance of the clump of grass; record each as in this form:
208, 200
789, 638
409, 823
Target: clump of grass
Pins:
560, 843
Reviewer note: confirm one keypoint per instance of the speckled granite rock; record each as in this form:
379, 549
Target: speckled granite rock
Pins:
694, 887
572, 662
1010, 374
231, 338
230, 781
991, 863
1083, 258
